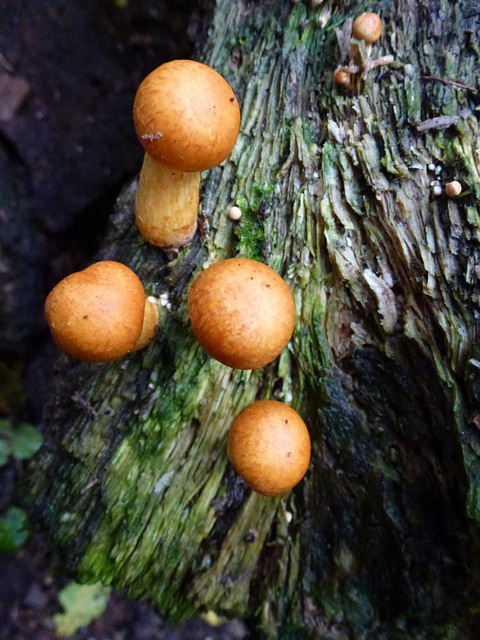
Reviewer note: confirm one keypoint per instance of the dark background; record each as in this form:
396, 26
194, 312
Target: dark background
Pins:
69, 70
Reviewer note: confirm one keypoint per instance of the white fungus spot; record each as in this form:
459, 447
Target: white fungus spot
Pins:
163, 483
152, 136
153, 300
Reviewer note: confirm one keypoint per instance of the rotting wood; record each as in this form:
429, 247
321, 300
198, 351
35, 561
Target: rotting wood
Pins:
380, 540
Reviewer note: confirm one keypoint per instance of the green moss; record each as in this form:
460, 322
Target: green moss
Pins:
294, 27
251, 230
251, 238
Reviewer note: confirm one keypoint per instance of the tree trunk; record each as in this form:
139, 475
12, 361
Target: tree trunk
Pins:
380, 540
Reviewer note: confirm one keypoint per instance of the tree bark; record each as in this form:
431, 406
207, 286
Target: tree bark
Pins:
381, 538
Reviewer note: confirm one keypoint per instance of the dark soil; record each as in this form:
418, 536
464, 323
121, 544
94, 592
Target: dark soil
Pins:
68, 75
29, 600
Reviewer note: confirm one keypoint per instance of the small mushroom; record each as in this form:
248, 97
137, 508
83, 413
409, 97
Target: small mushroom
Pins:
100, 313
343, 78
453, 189
187, 119
242, 312
269, 447
234, 213
367, 27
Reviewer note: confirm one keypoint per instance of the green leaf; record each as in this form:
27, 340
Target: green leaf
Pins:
26, 441
13, 530
5, 426
21, 442
5, 441
82, 603
5, 450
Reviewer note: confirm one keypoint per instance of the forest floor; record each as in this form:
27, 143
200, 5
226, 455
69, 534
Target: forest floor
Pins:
68, 76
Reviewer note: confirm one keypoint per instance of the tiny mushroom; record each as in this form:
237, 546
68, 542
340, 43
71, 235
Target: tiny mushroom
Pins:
101, 313
269, 447
187, 119
344, 78
234, 213
242, 312
367, 27
453, 189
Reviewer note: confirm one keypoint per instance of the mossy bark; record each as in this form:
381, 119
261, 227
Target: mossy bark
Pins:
380, 540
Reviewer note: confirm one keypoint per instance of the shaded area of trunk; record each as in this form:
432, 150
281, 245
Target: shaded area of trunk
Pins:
380, 539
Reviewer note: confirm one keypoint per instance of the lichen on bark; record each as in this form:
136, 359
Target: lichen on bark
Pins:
380, 539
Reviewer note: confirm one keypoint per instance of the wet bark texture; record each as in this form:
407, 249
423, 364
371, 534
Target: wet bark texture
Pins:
380, 539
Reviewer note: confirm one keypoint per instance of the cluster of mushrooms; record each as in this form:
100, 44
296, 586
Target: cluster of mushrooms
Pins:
242, 312
366, 30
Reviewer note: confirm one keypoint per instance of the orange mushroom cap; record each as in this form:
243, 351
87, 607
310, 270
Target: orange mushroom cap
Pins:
97, 314
269, 446
367, 27
186, 116
344, 78
242, 312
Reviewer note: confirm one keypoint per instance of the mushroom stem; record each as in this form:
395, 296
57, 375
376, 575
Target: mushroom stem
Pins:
150, 324
167, 204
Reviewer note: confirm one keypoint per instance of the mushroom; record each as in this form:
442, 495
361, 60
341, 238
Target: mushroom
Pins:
367, 27
453, 189
187, 119
234, 213
242, 312
269, 446
101, 313
344, 78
